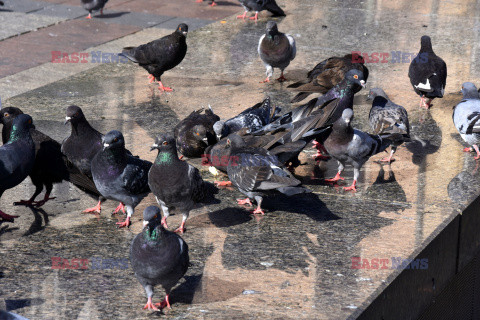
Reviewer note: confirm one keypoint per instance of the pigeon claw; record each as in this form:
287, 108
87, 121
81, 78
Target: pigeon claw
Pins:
125, 223
352, 187
120, 206
255, 17
243, 16
164, 303
181, 229
266, 80
468, 149
40, 203
213, 4
320, 157
387, 159
150, 305
223, 183
7, 217
282, 78
96, 209
335, 179
198, 1
164, 222
89, 16
258, 210
151, 78
27, 203
245, 201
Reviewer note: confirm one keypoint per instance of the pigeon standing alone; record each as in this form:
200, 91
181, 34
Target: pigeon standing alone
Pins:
175, 183
351, 146
93, 5
428, 73
120, 176
276, 49
17, 157
466, 117
160, 55
386, 117
158, 256
260, 5
195, 133
328, 73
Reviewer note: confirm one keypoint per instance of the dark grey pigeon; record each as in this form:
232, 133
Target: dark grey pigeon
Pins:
160, 55
51, 165
428, 73
158, 257
351, 146
260, 5
276, 50
257, 173
17, 157
251, 119
194, 133
176, 184
386, 117
328, 73
93, 5
120, 176
466, 117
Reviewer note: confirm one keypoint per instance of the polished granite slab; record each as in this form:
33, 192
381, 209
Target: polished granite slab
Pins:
296, 261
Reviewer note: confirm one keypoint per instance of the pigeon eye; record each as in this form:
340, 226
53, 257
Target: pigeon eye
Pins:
165, 143
197, 134
355, 76
29, 121
115, 140
6, 114
155, 217
76, 114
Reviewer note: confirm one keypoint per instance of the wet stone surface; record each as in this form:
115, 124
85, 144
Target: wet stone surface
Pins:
294, 262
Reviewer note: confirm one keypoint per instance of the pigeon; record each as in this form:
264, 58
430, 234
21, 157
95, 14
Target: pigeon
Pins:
252, 119
17, 157
427, 73
386, 117
351, 146
276, 50
260, 5
327, 74
466, 115
120, 176
93, 5
51, 166
158, 256
194, 133
256, 173
175, 183
160, 55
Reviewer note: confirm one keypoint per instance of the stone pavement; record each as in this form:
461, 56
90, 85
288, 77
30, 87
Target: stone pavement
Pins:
294, 262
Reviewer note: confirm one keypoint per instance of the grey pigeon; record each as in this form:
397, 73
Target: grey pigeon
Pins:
328, 73
276, 50
194, 133
17, 157
257, 173
93, 5
428, 73
466, 116
260, 5
351, 146
158, 257
120, 176
175, 183
251, 119
160, 55
386, 117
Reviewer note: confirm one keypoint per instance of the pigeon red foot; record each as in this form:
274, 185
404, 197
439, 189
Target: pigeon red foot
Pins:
243, 16
255, 17
162, 88
352, 187
223, 183
181, 229
96, 209
120, 206
151, 78
164, 222
335, 179
40, 203
245, 201
125, 223
164, 303
7, 217
150, 305
89, 16
321, 152
282, 78
258, 210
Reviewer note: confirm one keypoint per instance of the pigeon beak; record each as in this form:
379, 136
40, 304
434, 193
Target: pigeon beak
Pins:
153, 147
362, 83
205, 140
67, 119
145, 223
184, 33
105, 146
219, 137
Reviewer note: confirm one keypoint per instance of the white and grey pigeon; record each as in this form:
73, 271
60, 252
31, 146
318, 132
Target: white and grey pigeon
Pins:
120, 176
260, 5
158, 257
251, 119
175, 183
466, 117
351, 146
93, 5
276, 49
17, 157
256, 173
386, 117
428, 73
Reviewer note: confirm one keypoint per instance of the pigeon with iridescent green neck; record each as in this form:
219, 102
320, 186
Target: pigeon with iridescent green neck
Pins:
17, 157
158, 257
175, 183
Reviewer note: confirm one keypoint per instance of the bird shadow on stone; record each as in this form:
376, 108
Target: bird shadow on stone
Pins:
426, 137
11, 305
229, 217
38, 221
111, 15
7, 228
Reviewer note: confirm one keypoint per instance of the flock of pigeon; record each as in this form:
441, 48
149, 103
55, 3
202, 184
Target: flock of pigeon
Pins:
258, 149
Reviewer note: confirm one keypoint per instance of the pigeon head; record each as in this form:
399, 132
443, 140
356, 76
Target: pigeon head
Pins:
469, 91
272, 28
8, 114
164, 142
234, 141
355, 76
425, 44
200, 133
21, 127
376, 92
347, 115
182, 28
112, 140
218, 127
152, 218
74, 114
